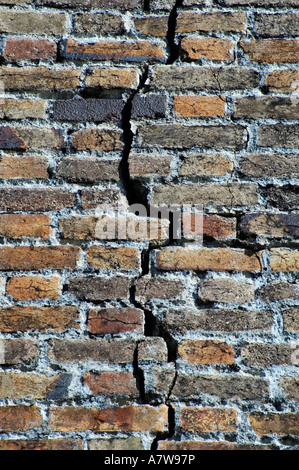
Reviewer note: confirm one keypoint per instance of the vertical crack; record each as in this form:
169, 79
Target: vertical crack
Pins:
174, 48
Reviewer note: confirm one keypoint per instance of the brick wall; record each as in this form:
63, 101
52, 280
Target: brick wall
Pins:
110, 341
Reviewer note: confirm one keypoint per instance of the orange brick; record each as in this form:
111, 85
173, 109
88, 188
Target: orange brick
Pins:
210, 48
197, 420
41, 79
105, 257
189, 21
98, 139
283, 80
34, 288
283, 259
206, 352
113, 77
272, 51
28, 385
29, 258
274, 423
199, 106
23, 167
112, 383
18, 226
19, 418
115, 320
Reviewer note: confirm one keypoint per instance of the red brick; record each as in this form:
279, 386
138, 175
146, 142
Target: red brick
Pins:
206, 352
29, 258
30, 49
19, 418
115, 320
18, 226
112, 383
37, 200
196, 420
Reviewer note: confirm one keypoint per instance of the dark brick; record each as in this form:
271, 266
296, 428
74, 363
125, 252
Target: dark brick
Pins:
88, 170
279, 135
19, 351
90, 4
262, 3
291, 319
267, 355
278, 24
60, 388
22, 199
87, 110
151, 106
10, 141
266, 107
290, 386
273, 225
278, 290
92, 198
42, 444
270, 165
99, 23
158, 288
284, 198
100, 288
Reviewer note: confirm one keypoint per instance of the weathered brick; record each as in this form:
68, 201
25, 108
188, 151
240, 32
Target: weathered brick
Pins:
33, 22
204, 259
283, 80
33, 288
158, 288
266, 107
131, 418
278, 290
9, 140
39, 79
274, 423
29, 49
291, 319
207, 164
15, 2
199, 106
100, 288
149, 106
158, 381
192, 22
225, 291
22, 109
270, 165
29, 258
113, 77
18, 226
267, 355
120, 351
93, 198
225, 386
19, 418
98, 23
28, 385
98, 139
263, 3
166, 5
41, 444
278, 24
207, 445
59, 318
23, 167
203, 78
115, 321
284, 198
149, 166
283, 259
152, 349
91, 4
79, 228
278, 135
271, 51
18, 351
93, 110
88, 170
153, 25
21, 138
209, 48
206, 352
112, 383
182, 136
121, 258
272, 225
218, 227
197, 420
112, 444
44, 200
117, 51
290, 387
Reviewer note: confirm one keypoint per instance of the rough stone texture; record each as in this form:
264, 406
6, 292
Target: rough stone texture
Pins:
99, 288
44, 200
199, 106
265, 107
32, 22
205, 352
208, 420
98, 23
225, 290
23, 168
98, 139
87, 110
274, 423
279, 25
283, 80
149, 106
271, 165
19, 351
88, 170
147, 289
113, 77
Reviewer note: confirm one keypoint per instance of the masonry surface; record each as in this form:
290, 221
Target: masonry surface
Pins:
113, 343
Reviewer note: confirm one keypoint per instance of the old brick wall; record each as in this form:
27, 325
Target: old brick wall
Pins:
149, 343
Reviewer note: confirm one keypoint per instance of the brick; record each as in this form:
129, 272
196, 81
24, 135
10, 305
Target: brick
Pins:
112, 383
113, 77
205, 352
158, 381
218, 227
192, 22
166, 5
88, 170
39, 79
262, 3
105, 257
283, 259
179, 322
116, 351
206, 445
182, 136
152, 349
267, 355
137, 51
92, 198
207, 164
44, 200
203, 78
112, 444
291, 319
99, 288
28, 385
225, 386
23, 167
98, 139
284, 198
34, 288
290, 387
41, 444
29, 49
18, 351
266, 107
209, 48
59, 318
283, 80
278, 135
274, 423
33, 22
270, 165
98, 23
19, 418
91, 4
79, 228
23, 109
158, 288
15, 2
9, 140
115, 321
271, 51
149, 106
204, 259
199, 106
93, 110
279, 24
225, 291
271, 225
27, 258
18, 226
153, 25
149, 166
198, 420
21, 138
278, 290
